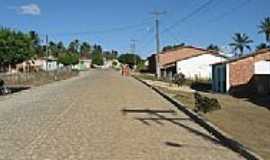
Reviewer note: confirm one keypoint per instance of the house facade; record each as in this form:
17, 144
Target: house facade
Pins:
191, 61
243, 76
83, 64
50, 64
199, 67
171, 56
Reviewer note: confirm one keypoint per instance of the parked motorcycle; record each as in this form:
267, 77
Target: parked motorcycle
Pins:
4, 90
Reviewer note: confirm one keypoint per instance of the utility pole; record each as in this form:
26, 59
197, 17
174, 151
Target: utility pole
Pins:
133, 50
47, 41
157, 14
133, 46
47, 51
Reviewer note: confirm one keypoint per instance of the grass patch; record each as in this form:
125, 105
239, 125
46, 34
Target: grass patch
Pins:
246, 122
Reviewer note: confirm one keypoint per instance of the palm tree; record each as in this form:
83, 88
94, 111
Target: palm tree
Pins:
60, 47
85, 50
74, 46
241, 41
265, 28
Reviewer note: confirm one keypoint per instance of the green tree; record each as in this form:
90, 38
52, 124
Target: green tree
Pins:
170, 47
35, 41
97, 48
213, 47
97, 58
262, 46
85, 50
265, 28
130, 59
110, 54
74, 46
68, 58
60, 47
53, 50
241, 41
15, 47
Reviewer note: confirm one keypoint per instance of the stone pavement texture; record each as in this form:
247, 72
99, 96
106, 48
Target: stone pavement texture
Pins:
100, 116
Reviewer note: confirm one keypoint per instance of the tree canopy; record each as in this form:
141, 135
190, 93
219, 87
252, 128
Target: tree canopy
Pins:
241, 42
68, 59
16, 46
170, 47
264, 28
130, 59
213, 47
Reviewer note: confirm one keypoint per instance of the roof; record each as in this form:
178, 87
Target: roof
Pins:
262, 51
179, 53
185, 53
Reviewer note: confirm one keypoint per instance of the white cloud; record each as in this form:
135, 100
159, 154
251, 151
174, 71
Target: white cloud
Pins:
29, 9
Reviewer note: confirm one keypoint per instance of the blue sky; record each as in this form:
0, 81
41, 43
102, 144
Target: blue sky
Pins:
114, 23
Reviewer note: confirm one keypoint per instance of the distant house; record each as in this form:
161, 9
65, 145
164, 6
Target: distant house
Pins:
191, 61
50, 64
244, 76
83, 64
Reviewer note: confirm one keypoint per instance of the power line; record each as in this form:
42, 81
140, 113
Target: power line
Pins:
232, 10
191, 14
202, 11
114, 29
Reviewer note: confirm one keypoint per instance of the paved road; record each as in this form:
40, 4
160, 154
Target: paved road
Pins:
100, 116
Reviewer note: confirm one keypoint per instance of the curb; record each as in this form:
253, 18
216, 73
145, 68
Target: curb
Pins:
224, 138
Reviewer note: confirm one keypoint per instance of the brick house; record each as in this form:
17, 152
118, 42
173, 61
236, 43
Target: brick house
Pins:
244, 76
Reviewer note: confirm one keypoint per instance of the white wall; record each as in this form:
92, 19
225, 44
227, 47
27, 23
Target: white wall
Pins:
262, 67
49, 65
199, 66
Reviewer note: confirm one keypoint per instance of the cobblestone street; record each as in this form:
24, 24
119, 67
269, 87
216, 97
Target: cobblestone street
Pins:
100, 116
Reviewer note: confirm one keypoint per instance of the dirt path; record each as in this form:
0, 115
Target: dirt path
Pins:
102, 116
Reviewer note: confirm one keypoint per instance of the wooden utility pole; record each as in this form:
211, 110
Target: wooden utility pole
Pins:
157, 14
133, 50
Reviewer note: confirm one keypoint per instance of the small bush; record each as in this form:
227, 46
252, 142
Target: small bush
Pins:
68, 59
205, 104
114, 63
179, 79
97, 59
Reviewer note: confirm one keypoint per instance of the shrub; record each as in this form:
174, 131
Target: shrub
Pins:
68, 59
179, 79
114, 63
205, 104
97, 59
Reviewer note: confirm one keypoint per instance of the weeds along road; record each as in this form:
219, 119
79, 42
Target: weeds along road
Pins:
100, 116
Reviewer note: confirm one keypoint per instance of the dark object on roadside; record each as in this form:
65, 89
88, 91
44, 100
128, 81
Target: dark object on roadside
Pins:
205, 104
179, 79
4, 90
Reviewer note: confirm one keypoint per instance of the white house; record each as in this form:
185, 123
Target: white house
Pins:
50, 64
83, 64
199, 66
195, 66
